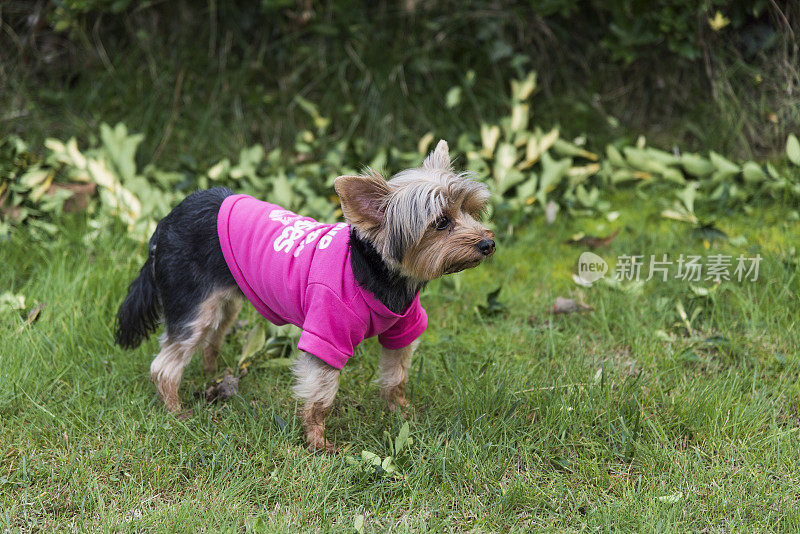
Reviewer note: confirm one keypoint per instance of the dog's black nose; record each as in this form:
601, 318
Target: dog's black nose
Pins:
486, 246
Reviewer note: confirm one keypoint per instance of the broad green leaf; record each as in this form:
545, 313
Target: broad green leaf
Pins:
255, 340
772, 172
453, 97
120, 149
638, 158
673, 175
752, 173
504, 161
598, 377
696, 165
679, 215
251, 156
527, 189
675, 497
793, 149
129, 204
40, 190
519, 117
219, 170
489, 137
510, 179
521, 90
370, 458
34, 177
663, 157
55, 145
402, 438
75, 155
589, 199
548, 140
688, 195
282, 192
615, 157
50, 228
538, 145
553, 171
565, 148
107, 198
388, 465
724, 167
358, 524
624, 175
579, 174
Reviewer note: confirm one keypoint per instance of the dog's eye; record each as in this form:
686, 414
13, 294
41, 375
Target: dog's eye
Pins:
442, 223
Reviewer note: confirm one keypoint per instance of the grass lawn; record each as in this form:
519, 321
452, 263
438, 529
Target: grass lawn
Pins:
627, 417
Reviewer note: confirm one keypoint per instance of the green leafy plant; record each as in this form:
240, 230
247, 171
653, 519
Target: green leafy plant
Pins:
526, 167
392, 465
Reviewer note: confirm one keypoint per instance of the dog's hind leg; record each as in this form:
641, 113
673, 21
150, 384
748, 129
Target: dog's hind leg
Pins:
229, 309
180, 341
167, 368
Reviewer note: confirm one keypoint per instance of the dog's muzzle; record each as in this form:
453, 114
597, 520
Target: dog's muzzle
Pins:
486, 247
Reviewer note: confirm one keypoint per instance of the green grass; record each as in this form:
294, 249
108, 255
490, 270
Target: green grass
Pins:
525, 421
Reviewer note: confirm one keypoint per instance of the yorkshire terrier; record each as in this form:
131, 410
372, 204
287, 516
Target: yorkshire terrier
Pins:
340, 283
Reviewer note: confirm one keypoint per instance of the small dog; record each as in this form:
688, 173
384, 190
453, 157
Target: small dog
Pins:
340, 283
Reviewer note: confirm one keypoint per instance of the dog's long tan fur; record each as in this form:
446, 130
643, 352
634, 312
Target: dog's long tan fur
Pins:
214, 317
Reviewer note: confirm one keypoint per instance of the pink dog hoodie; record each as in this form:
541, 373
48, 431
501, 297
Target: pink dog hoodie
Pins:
296, 270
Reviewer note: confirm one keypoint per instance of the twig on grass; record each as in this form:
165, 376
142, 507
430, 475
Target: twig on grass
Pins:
550, 388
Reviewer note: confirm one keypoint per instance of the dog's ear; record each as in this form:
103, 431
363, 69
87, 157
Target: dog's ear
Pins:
363, 199
439, 158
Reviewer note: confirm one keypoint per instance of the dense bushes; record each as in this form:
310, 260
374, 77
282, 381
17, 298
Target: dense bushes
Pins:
713, 73
645, 30
627, 30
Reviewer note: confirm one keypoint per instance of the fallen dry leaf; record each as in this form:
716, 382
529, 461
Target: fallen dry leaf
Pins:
592, 241
563, 305
223, 390
34, 313
32, 316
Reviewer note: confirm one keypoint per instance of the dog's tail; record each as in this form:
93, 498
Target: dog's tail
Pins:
138, 315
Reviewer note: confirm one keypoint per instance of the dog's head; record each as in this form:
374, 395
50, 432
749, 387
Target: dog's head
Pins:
423, 221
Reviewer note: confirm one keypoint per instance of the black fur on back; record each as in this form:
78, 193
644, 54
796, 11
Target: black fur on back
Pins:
185, 264
371, 272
